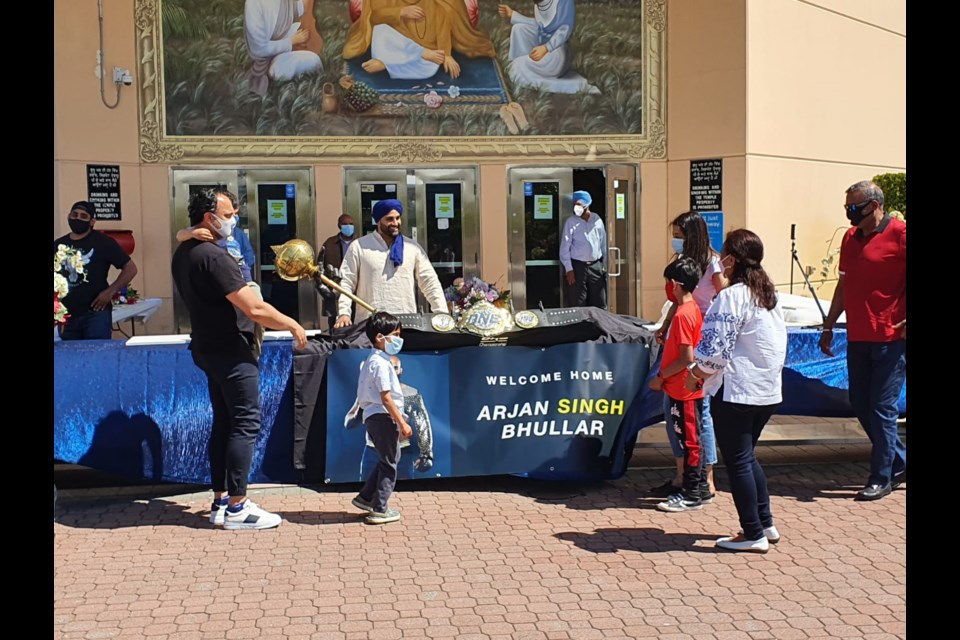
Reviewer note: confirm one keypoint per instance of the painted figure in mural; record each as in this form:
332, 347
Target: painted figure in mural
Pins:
282, 39
540, 47
412, 39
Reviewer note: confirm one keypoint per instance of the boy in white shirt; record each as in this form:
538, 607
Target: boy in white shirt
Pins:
380, 398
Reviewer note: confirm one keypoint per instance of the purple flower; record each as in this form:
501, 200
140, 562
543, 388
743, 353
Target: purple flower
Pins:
491, 296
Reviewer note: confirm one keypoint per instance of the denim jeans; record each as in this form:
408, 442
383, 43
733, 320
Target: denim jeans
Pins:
386, 439
708, 439
233, 382
877, 372
96, 325
738, 427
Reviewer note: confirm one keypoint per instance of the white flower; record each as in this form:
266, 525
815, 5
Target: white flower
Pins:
60, 286
453, 91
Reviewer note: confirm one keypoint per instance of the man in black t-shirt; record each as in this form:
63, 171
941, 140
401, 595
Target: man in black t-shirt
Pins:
90, 302
223, 310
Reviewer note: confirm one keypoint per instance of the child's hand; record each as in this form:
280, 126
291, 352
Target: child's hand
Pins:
657, 384
405, 430
202, 234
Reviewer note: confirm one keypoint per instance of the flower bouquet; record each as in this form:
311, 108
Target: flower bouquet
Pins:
463, 294
69, 260
127, 295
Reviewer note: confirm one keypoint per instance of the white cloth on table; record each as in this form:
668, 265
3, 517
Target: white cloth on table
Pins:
368, 272
143, 310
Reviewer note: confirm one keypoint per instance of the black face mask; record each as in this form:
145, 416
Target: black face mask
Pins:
78, 226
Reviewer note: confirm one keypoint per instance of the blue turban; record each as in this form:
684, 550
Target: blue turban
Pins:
384, 207
381, 209
583, 197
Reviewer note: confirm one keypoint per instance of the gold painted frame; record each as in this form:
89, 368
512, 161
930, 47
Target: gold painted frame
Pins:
156, 146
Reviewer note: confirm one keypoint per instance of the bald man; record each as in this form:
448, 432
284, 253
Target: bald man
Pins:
382, 268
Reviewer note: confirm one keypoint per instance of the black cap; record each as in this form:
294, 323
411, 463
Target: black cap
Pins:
86, 206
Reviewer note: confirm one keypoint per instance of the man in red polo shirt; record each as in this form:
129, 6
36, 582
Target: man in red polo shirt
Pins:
873, 291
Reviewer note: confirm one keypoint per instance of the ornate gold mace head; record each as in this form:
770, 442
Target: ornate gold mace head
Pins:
294, 260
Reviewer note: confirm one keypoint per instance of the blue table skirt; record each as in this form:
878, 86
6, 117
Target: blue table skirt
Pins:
144, 411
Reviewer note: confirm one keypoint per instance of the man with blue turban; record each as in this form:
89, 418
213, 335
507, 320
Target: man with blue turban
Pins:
583, 251
384, 267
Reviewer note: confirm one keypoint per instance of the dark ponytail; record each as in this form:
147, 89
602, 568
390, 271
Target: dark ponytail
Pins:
746, 248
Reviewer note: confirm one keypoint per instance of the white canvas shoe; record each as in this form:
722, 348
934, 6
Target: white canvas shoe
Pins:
770, 533
738, 543
217, 513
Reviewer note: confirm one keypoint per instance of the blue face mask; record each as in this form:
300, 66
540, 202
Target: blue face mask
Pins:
346, 230
392, 345
677, 245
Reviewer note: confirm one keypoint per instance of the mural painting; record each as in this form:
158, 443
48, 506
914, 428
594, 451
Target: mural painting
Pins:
401, 68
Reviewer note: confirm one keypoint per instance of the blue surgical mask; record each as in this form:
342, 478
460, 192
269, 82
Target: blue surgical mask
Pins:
226, 226
392, 345
346, 230
677, 245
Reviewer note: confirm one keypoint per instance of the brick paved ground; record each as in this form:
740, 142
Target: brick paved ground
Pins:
486, 558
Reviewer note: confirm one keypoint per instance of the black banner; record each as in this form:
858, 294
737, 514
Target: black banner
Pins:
103, 190
706, 185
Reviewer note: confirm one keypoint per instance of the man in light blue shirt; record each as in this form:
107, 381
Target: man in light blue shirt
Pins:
583, 250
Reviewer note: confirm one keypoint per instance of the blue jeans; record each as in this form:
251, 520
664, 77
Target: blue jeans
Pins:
96, 325
708, 439
738, 428
383, 478
877, 372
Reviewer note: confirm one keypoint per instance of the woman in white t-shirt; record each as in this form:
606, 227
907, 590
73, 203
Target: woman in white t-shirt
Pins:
691, 239
739, 362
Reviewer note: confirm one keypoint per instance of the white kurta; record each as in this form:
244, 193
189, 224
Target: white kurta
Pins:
368, 272
402, 56
269, 28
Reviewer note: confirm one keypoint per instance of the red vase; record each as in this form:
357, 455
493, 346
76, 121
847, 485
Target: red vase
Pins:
124, 238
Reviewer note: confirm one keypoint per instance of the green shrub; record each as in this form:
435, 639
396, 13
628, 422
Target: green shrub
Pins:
894, 187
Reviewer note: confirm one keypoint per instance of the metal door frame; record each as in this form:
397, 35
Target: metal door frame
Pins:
382, 175
308, 302
627, 258
238, 180
470, 222
516, 226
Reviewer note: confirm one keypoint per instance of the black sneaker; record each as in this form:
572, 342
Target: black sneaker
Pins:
665, 490
874, 492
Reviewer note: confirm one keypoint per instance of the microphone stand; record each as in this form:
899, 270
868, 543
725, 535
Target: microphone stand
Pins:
803, 272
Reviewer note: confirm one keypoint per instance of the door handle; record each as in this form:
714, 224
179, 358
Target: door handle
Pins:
617, 249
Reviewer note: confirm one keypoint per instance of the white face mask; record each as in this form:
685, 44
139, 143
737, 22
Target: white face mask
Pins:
577, 209
226, 226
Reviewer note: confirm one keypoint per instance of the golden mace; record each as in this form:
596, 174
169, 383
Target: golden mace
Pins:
294, 262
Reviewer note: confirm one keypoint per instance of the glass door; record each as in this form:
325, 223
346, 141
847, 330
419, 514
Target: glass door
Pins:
279, 203
364, 187
622, 197
535, 220
448, 220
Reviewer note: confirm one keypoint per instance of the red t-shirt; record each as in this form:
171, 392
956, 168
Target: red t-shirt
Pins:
874, 269
685, 329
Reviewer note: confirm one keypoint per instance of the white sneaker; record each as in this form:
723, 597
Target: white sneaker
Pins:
217, 513
677, 503
770, 533
251, 516
738, 543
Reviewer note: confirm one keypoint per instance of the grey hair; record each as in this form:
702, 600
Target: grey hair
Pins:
870, 190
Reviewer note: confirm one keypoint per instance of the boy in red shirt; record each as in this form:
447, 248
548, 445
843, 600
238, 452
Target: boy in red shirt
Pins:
686, 408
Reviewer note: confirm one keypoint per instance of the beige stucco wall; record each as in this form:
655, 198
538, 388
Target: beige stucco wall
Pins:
826, 107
